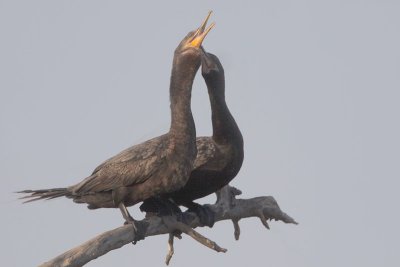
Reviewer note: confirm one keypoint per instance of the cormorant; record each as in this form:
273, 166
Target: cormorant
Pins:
156, 167
219, 157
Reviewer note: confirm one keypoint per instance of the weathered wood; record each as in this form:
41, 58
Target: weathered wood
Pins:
227, 207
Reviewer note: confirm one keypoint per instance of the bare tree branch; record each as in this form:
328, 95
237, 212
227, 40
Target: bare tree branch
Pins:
170, 249
227, 207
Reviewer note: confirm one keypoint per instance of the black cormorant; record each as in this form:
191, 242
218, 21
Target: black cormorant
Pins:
156, 167
219, 157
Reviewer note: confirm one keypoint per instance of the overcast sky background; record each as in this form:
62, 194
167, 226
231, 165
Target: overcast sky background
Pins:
314, 86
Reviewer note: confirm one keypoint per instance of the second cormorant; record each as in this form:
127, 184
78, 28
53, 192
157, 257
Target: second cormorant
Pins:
219, 157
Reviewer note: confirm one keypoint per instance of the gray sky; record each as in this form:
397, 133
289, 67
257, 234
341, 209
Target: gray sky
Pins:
314, 87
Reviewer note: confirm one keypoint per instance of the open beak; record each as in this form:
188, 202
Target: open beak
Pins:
201, 33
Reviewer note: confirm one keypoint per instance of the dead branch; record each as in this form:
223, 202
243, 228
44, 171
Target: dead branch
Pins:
170, 249
227, 207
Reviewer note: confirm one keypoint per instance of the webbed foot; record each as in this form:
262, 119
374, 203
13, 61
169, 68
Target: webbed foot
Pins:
204, 212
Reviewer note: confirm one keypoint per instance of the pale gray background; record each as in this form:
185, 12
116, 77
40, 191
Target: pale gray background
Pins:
314, 87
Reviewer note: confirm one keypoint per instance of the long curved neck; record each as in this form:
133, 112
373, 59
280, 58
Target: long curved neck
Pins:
182, 123
225, 129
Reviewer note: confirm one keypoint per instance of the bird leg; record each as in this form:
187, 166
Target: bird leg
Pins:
125, 213
138, 234
118, 196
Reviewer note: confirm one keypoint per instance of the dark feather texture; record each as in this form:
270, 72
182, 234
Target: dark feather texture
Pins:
156, 167
219, 157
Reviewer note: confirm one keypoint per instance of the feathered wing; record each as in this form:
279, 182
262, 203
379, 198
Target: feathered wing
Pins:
131, 166
209, 155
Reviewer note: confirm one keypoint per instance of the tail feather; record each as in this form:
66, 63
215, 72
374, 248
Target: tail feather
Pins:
44, 194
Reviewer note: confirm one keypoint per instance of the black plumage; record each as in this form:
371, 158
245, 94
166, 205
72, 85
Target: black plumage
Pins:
219, 157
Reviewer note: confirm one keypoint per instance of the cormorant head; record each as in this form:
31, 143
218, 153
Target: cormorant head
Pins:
211, 67
191, 44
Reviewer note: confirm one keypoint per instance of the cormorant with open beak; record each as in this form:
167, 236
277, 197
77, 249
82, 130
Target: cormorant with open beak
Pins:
156, 167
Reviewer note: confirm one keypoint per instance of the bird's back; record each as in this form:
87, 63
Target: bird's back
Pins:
131, 166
